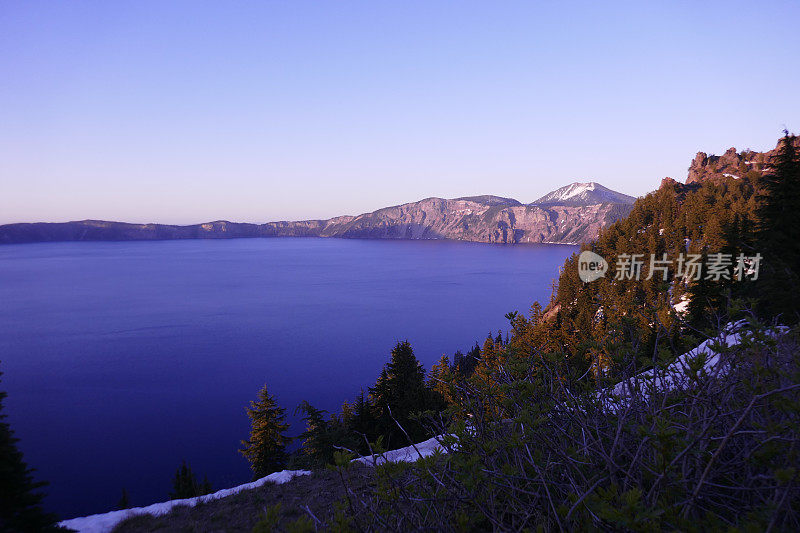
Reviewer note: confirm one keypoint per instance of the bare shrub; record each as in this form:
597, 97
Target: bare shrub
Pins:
535, 448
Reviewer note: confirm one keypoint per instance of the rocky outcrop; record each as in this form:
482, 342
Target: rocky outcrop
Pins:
668, 182
491, 219
730, 165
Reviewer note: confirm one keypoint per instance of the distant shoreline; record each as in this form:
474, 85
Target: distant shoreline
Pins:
211, 237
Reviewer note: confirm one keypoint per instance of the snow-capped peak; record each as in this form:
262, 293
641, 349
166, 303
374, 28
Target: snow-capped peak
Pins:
584, 193
578, 188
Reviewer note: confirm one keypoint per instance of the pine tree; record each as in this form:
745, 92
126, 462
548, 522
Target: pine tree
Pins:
205, 487
779, 218
266, 447
363, 423
399, 392
185, 485
440, 384
124, 501
465, 364
488, 360
705, 299
20, 499
348, 411
779, 214
317, 444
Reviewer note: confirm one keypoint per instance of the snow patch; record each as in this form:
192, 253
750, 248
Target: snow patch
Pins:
676, 376
577, 189
590, 193
104, 522
409, 454
682, 306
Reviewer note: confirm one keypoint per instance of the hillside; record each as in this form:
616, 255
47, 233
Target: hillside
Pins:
304, 493
490, 219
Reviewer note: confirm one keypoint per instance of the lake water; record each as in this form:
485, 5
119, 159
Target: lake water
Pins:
122, 359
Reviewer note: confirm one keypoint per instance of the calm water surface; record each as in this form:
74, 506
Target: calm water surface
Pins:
123, 359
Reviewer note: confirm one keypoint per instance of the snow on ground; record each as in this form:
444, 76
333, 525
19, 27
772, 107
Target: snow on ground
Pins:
105, 522
576, 189
102, 523
409, 454
677, 374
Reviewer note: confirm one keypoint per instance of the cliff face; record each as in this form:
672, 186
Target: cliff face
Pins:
480, 219
731, 164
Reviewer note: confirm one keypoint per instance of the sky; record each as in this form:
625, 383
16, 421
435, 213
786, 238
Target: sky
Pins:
184, 112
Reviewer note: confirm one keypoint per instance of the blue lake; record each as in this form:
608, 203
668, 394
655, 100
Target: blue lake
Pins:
121, 359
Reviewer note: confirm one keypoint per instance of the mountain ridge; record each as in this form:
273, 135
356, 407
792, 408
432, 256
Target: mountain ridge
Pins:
483, 218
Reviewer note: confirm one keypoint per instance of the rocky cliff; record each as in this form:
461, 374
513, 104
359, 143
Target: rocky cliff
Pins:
490, 219
730, 165
481, 220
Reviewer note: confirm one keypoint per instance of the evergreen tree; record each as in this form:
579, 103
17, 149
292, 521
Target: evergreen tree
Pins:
705, 299
440, 384
20, 499
124, 501
779, 218
779, 213
363, 423
266, 447
348, 411
465, 364
399, 392
205, 487
184, 484
317, 441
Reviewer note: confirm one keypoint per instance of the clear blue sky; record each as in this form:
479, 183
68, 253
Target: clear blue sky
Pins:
182, 112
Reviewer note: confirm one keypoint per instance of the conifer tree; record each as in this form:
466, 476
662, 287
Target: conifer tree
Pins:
488, 361
440, 384
399, 392
348, 411
20, 499
266, 447
705, 299
779, 214
124, 500
779, 218
317, 442
465, 364
363, 422
185, 485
